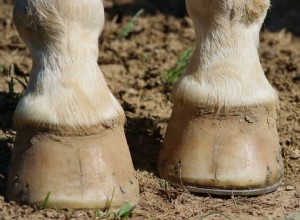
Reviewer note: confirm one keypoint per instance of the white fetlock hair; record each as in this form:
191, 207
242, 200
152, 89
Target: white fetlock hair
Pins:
225, 70
66, 88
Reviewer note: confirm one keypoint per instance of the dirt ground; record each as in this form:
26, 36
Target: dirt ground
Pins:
134, 68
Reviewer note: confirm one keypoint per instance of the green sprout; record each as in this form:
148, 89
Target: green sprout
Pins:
128, 27
44, 204
180, 66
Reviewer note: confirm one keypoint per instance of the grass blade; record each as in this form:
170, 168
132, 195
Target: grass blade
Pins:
45, 202
125, 211
110, 202
180, 66
129, 25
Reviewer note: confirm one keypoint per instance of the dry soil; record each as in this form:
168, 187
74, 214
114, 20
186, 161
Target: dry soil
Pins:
134, 68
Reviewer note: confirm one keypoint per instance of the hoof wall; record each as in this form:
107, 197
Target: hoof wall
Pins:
233, 153
77, 172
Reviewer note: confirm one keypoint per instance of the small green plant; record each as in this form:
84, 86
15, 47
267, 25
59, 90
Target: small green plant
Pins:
110, 201
180, 66
164, 184
44, 204
123, 213
101, 214
128, 27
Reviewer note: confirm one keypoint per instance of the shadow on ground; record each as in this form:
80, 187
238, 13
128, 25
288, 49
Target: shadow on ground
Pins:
8, 103
144, 141
5, 156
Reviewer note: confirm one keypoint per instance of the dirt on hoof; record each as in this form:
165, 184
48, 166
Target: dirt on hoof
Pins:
135, 62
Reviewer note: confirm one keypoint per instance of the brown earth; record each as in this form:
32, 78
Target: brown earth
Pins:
134, 69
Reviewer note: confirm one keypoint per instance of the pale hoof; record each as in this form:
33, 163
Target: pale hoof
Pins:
234, 153
77, 172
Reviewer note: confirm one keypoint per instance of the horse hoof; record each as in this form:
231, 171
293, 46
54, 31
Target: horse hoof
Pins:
234, 152
75, 171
